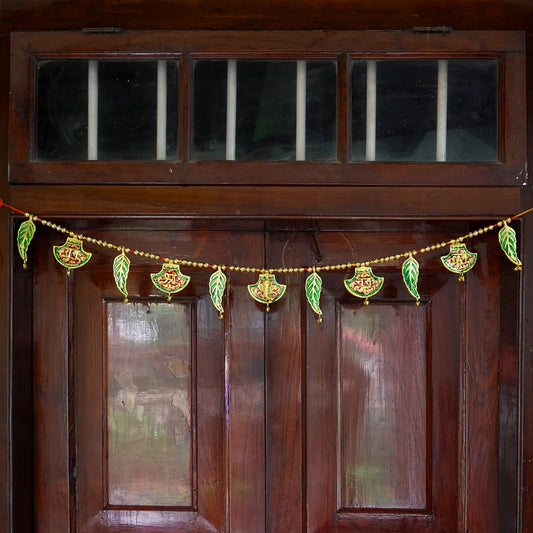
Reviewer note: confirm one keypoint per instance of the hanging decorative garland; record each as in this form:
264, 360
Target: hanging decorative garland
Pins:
363, 284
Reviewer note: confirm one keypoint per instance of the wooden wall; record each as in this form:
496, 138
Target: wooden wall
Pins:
35, 15
268, 14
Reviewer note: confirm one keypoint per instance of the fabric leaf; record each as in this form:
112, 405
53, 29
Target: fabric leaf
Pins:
24, 237
507, 238
410, 270
121, 268
313, 288
217, 284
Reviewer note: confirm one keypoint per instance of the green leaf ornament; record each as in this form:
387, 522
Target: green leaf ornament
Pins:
24, 237
217, 285
507, 238
410, 270
313, 288
121, 268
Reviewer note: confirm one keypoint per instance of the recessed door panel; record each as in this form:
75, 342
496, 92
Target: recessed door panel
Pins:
382, 386
148, 394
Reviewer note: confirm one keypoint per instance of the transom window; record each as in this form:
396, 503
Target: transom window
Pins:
343, 106
401, 110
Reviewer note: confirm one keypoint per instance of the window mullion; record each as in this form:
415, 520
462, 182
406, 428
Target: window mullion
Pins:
301, 93
231, 110
161, 141
371, 78
92, 111
442, 108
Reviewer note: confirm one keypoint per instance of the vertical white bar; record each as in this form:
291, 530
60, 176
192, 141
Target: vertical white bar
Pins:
231, 109
92, 111
442, 109
161, 142
371, 110
301, 91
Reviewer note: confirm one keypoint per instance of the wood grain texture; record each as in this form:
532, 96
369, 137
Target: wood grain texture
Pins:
22, 406
245, 398
419, 204
285, 397
383, 407
270, 202
272, 424
272, 14
326, 511
6, 223
480, 391
50, 395
526, 362
525, 396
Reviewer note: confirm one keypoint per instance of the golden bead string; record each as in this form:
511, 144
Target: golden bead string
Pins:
282, 270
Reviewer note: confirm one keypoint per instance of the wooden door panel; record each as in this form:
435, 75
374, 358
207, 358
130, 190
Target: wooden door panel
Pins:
400, 400
52, 432
383, 406
390, 442
148, 444
195, 393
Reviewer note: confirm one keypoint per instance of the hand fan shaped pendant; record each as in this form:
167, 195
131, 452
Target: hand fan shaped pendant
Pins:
364, 283
170, 279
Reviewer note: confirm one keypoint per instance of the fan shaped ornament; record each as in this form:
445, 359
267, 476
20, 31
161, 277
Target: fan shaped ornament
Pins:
364, 283
170, 279
459, 260
71, 254
267, 290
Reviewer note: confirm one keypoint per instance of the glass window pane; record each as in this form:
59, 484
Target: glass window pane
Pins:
359, 110
127, 95
149, 349
266, 110
61, 110
321, 111
472, 110
406, 110
172, 112
210, 90
127, 109
405, 115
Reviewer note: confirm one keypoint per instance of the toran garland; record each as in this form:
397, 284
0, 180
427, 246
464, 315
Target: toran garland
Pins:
364, 283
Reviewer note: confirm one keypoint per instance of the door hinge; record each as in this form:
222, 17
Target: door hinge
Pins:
102, 30
431, 29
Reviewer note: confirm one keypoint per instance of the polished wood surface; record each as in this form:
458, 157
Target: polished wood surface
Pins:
287, 410
272, 14
276, 402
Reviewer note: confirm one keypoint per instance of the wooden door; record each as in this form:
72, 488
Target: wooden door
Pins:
408, 413
132, 399
157, 416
